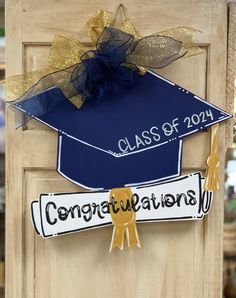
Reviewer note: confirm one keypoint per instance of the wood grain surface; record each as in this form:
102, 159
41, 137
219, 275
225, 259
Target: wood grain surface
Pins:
176, 260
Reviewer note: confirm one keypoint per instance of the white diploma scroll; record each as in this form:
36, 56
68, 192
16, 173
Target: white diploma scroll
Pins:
182, 198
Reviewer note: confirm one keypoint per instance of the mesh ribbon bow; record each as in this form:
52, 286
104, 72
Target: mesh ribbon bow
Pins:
119, 54
116, 60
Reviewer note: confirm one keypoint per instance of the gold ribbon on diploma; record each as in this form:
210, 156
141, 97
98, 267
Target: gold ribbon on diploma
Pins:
124, 219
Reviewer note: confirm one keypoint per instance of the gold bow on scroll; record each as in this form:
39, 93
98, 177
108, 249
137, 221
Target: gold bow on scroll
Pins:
123, 219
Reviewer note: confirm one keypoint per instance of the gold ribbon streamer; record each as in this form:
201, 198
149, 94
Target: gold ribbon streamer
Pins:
66, 52
185, 35
212, 178
123, 220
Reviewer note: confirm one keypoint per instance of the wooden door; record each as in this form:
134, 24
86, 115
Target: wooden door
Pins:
181, 259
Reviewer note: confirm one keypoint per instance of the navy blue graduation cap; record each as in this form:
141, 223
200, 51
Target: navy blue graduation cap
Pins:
130, 137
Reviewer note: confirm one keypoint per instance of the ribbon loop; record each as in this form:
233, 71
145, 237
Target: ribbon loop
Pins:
120, 9
155, 51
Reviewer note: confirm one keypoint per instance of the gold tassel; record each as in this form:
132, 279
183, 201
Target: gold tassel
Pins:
212, 178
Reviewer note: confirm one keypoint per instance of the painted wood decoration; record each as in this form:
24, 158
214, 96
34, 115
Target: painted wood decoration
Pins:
124, 144
132, 137
181, 198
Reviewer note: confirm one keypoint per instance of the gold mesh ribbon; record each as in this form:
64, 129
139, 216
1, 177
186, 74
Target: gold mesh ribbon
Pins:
66, 52
124, 221
185, 35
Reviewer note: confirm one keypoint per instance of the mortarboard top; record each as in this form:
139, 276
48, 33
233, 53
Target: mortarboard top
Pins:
132, 136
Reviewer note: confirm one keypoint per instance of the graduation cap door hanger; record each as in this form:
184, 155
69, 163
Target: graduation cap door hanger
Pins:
131, 137
126, 137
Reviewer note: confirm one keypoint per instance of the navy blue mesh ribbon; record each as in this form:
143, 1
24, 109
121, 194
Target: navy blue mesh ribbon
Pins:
100, 69
116, 61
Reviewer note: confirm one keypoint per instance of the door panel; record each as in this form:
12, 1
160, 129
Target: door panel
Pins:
178, 259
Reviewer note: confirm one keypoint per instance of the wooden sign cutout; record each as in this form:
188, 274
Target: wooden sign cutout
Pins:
182, 198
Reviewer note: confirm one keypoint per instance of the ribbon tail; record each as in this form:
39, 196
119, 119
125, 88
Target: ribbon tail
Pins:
212, 177
185, 35
117, 239
155, 51
132, 235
